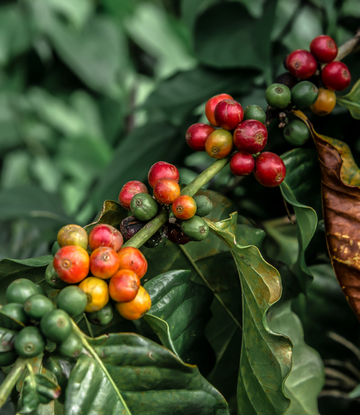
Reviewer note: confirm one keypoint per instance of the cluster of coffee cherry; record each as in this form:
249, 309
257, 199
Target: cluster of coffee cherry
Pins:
186, 212
243, 129
103, 269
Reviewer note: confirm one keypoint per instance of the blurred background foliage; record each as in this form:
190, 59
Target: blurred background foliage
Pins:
92, 93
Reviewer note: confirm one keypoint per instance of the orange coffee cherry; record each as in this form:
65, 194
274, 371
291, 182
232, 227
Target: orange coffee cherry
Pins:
325, 102
133, 259
166, 191
104, 262
97, 293
71, 263
124, 285
136, 308
184, 207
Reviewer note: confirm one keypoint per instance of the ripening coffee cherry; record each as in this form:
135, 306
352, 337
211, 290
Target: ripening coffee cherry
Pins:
129, 190
242, 164
105, 235
124, 285
250, 136
71, 263
97, 293
228, 114
278, 95
324, 49
254, 112
325, 102
269, 169
219, 144
166, 191
104, 262
197, 134
301, 64
162, 170
304, 94
336, 76
72, 235
296, 133
184, 207
135, 309
133, 259
210, 107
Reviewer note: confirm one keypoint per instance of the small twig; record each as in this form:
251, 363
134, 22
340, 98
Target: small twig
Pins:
88, 326
288, 212
347, 381
345, 343
346, 365
348, 47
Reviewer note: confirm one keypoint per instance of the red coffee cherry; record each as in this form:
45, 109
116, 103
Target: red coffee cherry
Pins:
250, 136
129, 190
242, 164
166, 191
133, 259
228, 114
197, 134
105, 235
71, 263
336, 76
324, 49
210, 107
124, 285
162, 170
269, 169
301, 64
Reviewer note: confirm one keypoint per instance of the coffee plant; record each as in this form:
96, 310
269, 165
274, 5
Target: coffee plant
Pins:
170, 301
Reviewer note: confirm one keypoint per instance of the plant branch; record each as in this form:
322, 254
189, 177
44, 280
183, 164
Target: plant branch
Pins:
151, 227
348, 47
10, 381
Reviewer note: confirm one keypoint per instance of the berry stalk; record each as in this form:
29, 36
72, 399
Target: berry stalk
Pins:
151, 227
10, 381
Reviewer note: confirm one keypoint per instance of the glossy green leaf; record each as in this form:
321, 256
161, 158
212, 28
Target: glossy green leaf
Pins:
150, 378
301, 186
179, 95
266, 357
179, 310
29, 399
249, 45
306, 378
7, 338
351, 101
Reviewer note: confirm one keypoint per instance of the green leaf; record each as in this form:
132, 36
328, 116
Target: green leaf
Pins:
249, 44
266, 357
150, 378
300, 185
179, 95
307, 376
355, 393
351, 101
7, 338
179, 310
32, 202
29, 399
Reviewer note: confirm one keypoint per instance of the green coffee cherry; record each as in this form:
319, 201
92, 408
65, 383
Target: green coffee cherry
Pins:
71, 347
103, 316
52, 278
143, 206
20, 290
278, 95
29, 342
15, 311
73, 300
196, 229
37, 306
254, 112
296, 133
203, 205
8, 358
56, 325
304, 94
